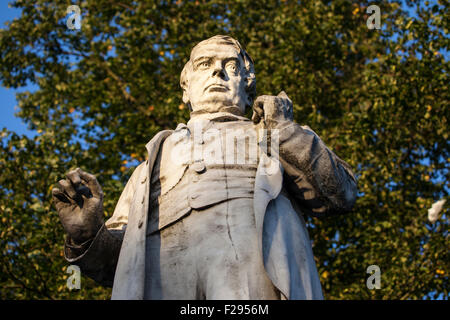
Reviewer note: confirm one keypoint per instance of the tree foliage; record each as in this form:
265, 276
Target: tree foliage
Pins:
378, 98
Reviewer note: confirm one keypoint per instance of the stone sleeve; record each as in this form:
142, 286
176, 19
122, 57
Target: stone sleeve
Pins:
96, 258
321, 183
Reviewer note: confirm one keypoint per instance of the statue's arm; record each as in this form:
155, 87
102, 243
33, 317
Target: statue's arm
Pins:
320, 181
97, 258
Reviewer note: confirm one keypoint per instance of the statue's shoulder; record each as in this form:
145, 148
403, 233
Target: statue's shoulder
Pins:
156, 141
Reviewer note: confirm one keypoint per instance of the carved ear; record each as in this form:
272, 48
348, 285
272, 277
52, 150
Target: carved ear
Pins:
184, 83
185, 97
186, 100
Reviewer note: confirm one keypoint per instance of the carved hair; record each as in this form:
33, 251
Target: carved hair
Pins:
248, 63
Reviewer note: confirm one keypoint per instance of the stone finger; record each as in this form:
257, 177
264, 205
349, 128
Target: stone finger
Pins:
74, 178
66, 186
258, 106
59, 199
92, 183
256, 118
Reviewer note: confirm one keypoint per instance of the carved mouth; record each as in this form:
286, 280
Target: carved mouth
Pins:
217, 88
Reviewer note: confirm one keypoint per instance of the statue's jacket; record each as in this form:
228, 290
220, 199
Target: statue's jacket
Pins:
308, 179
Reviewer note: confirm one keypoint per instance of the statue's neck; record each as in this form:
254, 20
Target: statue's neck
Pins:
229, 109
227, 113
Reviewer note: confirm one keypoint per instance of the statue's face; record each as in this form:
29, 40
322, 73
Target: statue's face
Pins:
217, 78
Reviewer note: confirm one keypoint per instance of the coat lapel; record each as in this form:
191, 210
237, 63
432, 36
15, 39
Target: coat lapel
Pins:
129, 280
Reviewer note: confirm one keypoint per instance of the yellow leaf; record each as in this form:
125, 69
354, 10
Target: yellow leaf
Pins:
181, 106
409, 24
355, 11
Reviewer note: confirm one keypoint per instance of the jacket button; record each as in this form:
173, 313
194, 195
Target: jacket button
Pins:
194, 196
198, 167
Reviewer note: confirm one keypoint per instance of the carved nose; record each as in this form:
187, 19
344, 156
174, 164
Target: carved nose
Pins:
218, 72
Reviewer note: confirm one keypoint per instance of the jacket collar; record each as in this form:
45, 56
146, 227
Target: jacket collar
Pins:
217, 116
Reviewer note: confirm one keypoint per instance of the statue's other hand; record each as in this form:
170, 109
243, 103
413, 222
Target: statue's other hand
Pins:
272, 109
79, 202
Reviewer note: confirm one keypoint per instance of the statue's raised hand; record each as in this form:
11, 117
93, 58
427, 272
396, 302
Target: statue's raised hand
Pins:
79, 201
272, 109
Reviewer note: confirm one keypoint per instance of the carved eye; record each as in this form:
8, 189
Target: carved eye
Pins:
204, 65
232, 67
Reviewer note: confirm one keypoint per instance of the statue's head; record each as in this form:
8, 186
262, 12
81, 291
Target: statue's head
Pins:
218, 76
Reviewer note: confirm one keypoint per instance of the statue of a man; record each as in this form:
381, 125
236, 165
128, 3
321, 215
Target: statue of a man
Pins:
205, 216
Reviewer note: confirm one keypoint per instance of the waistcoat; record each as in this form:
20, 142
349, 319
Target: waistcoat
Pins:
199, 166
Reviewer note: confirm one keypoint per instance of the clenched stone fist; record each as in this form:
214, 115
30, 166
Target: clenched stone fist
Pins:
272, 109
79, 201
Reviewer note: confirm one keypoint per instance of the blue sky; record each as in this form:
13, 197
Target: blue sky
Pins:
8, 96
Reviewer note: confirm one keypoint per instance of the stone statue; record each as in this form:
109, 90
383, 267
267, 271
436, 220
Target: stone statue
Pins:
216, 211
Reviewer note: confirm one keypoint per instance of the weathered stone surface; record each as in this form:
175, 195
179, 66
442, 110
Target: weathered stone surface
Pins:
216, 212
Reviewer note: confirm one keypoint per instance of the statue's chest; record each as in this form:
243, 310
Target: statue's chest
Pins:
195, 170
210, 150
